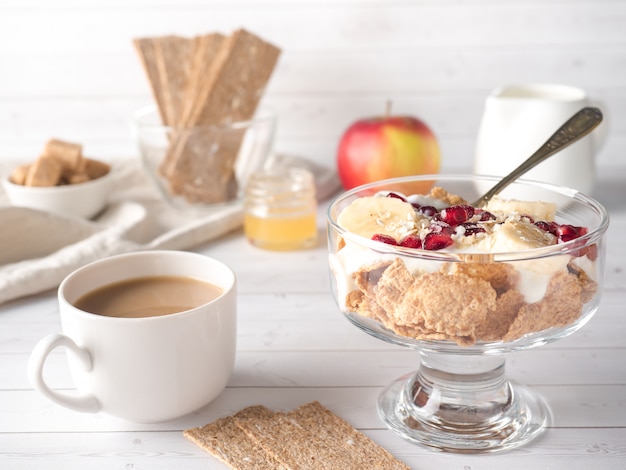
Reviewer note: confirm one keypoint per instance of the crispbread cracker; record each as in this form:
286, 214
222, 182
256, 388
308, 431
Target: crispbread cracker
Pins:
229, 92
174, 59
231, 445
310, 437
204, 50
244, 64
343, 439
209, 80
204, 61
313, 438
200, 164
146, 51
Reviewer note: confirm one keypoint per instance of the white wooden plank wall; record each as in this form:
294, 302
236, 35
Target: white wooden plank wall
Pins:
68, 68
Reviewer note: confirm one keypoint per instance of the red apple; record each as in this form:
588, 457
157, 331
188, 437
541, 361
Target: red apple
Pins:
386, 147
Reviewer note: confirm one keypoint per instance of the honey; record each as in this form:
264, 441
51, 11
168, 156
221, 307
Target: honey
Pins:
280, 209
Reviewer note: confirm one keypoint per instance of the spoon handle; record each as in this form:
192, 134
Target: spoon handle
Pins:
576, 127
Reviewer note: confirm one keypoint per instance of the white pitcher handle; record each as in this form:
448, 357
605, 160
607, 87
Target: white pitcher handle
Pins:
78, 402
598, 135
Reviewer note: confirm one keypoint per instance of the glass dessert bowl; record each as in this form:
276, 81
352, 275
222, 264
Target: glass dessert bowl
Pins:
202, 168
420, 268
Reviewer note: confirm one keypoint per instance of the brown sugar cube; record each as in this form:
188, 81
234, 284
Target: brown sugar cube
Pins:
18, 175
68, 154
95, 168
76, 178
44, 172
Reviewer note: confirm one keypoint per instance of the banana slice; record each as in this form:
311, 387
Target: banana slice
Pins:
518, 235
369, 215
538, 210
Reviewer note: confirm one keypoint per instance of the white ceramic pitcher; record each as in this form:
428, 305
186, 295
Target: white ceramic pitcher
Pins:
518, 119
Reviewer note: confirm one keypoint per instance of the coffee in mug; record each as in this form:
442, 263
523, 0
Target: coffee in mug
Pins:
151, 296
144, 368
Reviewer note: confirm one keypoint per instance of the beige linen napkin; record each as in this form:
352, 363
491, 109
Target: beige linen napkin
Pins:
38, 249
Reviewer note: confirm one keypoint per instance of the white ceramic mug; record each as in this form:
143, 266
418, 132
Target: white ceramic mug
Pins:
149, 369
518, 119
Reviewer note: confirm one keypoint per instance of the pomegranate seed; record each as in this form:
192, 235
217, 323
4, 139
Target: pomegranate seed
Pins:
428, 211
396, 196
412, 241
592, 252
455, 215
381, 237
471, 229
567, 232
484, 215
550, 227
437, 241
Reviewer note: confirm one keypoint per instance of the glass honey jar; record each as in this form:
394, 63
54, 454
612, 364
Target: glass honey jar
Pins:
280, 209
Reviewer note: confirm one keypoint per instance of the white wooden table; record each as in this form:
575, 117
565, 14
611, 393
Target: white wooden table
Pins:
294, 347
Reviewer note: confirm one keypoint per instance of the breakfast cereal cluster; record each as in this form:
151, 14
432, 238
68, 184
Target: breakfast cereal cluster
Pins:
465, 302
474, 299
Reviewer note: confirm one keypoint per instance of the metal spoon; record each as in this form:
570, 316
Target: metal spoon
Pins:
576, 127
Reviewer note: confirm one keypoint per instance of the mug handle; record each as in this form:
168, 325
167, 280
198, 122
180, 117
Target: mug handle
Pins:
86, 403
